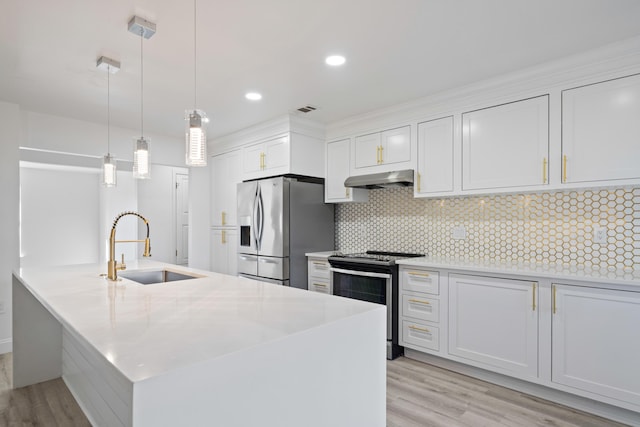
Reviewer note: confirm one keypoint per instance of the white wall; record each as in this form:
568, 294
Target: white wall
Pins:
10, 134
113, 201
157, 202
59, 215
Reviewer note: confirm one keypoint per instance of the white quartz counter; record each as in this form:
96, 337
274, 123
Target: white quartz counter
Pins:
551, 271
325, 254
145, 330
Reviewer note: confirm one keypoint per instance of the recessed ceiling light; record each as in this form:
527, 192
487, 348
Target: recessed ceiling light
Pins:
253, 96
335, 60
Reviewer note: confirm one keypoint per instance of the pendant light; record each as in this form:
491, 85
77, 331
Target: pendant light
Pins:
141, 166
109, 169
196, 120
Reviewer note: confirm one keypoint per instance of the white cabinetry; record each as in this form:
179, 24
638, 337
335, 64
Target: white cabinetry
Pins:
601, 131
382, 151
225, 176
419, 309
506, 145
435, 157
596, 345
224, 248
318, 274
338, 154
268, 158
494, 322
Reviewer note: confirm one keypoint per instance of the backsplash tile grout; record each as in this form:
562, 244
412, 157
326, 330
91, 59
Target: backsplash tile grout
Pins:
554, 227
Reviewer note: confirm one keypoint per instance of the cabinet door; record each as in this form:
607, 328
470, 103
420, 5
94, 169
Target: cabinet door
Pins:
395, 145
226, 173
276, 154
596, 345
435, 157
601, 131
252, 159
506, 145
367, 150
224, 258
494, 322
337, 171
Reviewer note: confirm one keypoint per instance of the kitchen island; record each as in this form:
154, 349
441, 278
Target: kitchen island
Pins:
213, 350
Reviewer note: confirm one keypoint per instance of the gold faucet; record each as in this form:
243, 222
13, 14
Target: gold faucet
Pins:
113, 267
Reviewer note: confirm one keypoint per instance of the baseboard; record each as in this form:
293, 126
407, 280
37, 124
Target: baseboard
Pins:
557, 396
6, 345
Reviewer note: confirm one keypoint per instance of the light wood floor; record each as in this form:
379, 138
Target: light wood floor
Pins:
417, 395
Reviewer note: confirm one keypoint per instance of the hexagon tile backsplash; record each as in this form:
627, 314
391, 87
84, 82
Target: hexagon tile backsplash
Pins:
553, 228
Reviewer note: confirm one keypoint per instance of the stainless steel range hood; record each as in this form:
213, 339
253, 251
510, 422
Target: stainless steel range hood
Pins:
402, 178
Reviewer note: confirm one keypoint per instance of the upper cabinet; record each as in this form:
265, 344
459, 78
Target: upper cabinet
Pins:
336, 173
267, 158
435, 157
226, 173
382, 151
506, 145
601, 131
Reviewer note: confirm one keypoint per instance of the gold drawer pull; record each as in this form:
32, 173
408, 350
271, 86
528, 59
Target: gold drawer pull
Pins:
322, 264
415, 328
415, 273
564, 168
419, 301
322, 285
544, 170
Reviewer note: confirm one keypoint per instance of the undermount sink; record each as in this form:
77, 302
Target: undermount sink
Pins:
150, 277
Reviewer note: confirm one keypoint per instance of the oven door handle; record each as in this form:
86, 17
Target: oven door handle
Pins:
359, 273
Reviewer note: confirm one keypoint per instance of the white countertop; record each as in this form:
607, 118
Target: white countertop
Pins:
552, 271
146, 330
325, 254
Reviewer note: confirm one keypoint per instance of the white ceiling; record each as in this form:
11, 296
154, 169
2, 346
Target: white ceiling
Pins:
396, 50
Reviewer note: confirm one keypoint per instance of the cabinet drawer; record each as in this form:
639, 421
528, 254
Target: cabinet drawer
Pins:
319, 285
421, 281
421, 308
420, 335
319, 268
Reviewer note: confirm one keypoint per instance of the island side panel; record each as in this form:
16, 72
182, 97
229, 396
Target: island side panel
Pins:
332, 375
37, 339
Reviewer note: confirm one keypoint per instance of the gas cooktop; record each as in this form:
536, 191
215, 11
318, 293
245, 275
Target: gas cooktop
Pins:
377, 257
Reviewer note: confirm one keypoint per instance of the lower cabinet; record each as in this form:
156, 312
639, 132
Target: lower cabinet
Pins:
494, 322
419, 303
224, 248
318, 275
596, 342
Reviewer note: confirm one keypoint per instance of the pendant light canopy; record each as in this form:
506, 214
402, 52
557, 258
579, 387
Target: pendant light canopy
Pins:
141, 158
195, 120
109, 169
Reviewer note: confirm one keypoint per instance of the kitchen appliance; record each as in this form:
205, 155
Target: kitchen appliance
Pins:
371, 276
403, 178
280, 220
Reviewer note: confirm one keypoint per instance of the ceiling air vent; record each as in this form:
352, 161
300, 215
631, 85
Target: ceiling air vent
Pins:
307, 109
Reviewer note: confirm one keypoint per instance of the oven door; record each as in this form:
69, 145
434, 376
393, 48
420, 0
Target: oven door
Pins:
366, 286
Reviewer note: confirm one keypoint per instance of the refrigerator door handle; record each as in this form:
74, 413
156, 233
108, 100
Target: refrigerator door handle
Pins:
261, 218
256, 219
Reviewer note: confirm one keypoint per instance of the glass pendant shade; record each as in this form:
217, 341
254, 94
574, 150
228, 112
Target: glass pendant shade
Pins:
141, 168
109, 171
196, 138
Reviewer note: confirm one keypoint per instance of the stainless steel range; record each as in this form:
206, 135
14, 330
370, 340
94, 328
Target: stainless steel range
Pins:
371, 276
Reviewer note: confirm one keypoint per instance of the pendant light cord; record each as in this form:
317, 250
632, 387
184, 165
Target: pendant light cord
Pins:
108, 113
194, 55
141, 88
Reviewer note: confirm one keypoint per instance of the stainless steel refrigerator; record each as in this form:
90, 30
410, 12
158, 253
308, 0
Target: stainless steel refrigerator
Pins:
280, 220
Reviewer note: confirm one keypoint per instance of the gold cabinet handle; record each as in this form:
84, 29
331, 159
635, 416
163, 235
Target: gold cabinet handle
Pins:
564, 168
319, 263
544, 170
420, 301
322, 285
378, 154
419, 179
346, 192
262, 162
415, 328
381, 156
415, 273
224, 237
224, 219
533, 298
554, 297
